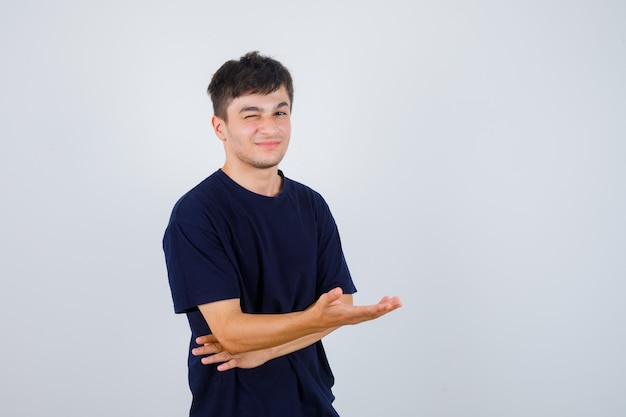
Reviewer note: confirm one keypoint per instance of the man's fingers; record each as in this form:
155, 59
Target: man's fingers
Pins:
207, 349
217, 358
228, 365
386, 305
394, 302
203, 340
209, 345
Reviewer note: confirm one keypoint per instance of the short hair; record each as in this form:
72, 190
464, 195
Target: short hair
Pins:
252, 74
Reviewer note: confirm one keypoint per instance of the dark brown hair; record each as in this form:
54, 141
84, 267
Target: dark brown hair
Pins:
252, 74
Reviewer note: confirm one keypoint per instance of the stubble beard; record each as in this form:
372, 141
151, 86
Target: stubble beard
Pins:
267, 163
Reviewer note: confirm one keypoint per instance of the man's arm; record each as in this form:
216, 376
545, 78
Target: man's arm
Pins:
216, 354
213, 352
239, 332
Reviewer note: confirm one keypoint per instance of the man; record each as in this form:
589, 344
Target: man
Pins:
255, 261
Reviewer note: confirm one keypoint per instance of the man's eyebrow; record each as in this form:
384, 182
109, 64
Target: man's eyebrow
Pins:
250, 108
260, 109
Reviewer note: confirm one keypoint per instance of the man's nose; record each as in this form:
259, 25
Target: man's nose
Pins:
268, 126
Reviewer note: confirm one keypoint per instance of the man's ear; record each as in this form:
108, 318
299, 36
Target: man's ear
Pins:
219, 126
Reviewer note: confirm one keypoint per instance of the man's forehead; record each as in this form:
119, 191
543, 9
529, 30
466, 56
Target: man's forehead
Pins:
275, 99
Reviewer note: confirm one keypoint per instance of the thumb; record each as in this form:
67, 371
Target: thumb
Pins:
335, 294
330, 296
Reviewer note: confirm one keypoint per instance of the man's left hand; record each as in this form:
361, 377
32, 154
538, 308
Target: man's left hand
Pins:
216, 354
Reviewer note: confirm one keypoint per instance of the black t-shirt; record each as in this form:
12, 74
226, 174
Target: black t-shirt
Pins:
277, 255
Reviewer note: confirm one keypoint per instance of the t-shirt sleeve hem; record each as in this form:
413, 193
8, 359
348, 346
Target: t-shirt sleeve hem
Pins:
192, 304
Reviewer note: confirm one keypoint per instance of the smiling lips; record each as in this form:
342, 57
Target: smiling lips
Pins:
268, 144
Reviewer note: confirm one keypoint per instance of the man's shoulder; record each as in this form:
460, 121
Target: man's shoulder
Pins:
302, 189
200, 198
207, 187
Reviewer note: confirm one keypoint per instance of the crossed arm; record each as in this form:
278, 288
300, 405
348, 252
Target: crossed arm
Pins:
249, 340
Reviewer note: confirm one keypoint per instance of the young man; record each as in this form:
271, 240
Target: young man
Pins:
255, 261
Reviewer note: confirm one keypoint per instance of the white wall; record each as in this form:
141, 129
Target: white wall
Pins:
472, 152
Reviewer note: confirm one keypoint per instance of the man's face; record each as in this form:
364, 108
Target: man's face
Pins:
258, 130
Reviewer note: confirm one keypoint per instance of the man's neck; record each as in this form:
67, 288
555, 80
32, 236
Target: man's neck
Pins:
265, 182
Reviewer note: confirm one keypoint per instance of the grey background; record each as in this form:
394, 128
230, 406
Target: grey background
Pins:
472, 153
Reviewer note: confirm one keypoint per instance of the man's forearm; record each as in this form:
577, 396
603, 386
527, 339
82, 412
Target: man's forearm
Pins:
301, 343
240, 332
213, 353
279, 334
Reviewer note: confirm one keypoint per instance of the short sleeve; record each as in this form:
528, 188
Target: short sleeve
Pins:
199, 268
332, 267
